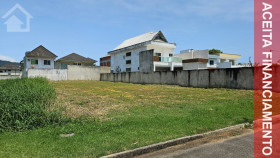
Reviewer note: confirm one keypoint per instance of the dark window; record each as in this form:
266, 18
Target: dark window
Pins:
158, 54
171, 55
47, 62
128, 69
128, 62
211, 62
79, 64
34, 61
128, 54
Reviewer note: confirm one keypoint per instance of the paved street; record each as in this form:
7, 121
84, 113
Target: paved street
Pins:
236, 147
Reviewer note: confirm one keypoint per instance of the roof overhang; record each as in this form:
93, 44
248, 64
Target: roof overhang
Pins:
130, 47
172, 45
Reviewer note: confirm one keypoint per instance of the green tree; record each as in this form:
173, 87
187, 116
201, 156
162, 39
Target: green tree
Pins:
215, 51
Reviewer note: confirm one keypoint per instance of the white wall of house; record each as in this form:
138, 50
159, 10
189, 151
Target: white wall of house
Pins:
213, 60
40, 64
118, 60
164, 48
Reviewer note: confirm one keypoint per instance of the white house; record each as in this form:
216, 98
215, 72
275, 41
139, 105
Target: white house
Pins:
39, 58
150, 50
202, 59
10, 70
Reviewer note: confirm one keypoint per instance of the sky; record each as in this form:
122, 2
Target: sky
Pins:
92, 28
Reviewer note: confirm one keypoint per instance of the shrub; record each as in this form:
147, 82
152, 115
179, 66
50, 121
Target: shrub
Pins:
24, 104
215, 51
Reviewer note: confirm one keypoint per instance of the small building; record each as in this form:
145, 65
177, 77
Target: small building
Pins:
105, 61
39, 58
74, 59
134, 54
10, 70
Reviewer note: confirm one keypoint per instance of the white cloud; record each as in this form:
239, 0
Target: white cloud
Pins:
6, 58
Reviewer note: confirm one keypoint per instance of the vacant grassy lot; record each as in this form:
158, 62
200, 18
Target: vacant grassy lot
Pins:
114, 117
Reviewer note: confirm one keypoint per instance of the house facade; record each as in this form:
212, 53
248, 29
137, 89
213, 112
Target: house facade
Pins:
74, 59
39, 58
202, 59
126, 57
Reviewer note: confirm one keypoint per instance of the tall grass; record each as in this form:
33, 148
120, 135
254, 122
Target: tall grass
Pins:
24, 104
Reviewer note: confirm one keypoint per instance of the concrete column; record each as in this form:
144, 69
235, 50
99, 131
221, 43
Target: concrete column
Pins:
172, 66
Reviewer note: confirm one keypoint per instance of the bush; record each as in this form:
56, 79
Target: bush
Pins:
215, 51
25, 103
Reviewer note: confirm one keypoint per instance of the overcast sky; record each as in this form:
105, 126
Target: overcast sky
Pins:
93, 27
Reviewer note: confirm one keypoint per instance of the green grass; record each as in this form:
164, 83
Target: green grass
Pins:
24, 104
113, 117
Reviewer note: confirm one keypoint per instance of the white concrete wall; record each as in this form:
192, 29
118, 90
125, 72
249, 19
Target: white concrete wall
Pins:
4, 77
72, 73
51, 74
10, 73
237, 78
194, 66
86, 73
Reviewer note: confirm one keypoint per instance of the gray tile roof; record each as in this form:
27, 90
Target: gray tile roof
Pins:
40, 51
76, 58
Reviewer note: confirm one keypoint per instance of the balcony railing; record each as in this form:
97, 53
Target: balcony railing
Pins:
168, 59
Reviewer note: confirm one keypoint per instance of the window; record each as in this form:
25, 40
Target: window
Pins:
128, 54
34, 61
158, 54
232, 62
128, 69
128, 62
79, 64
211, 62
47, 62
170, 55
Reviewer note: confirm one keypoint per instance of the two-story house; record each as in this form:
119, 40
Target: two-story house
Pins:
39, 58
150, 50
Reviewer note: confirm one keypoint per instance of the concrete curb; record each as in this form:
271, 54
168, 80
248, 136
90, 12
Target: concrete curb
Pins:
162, 145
